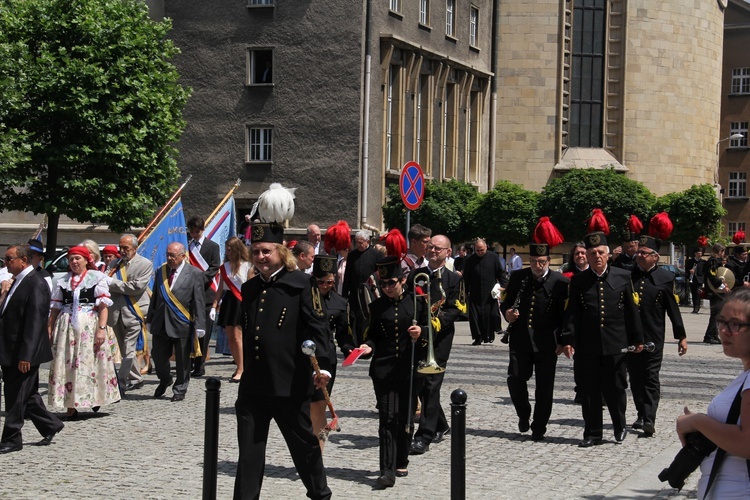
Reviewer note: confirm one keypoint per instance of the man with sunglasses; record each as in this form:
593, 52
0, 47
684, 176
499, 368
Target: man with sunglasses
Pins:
534, 306
655, 289
446, 292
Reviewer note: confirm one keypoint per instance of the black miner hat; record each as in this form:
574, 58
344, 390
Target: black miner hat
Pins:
264, 232
324, 265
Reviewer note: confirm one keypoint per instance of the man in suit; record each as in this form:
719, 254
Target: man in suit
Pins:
282, 308
655, 289
314, 237
534, 306
24, 345
128, 287
601, 322
206, 256
176, 313
446, 290
694, 267
482, 272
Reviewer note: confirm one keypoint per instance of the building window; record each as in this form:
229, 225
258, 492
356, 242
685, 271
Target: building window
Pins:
259, 66
473, 122
737, 184
395, 5
259, 144
741, 81
393, 119
450, 127
738, 128
587, 74
450, 20
424, 12
259, 2
733, 227
422, 117
473, 26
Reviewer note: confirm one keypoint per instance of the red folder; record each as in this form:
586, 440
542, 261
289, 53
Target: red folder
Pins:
353, 356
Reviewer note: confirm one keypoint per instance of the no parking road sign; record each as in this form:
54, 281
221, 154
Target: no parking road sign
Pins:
411, 185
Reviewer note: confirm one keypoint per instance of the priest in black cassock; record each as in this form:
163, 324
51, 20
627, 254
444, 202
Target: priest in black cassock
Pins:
482, 271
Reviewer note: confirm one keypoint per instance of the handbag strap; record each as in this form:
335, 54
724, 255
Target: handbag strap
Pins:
732, 416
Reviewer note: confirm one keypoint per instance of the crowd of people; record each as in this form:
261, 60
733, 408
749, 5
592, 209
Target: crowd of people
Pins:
390, 299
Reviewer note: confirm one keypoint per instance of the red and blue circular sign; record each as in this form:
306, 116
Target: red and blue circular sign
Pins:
411, 185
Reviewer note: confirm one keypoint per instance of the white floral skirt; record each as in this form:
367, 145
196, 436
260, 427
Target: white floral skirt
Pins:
81, 376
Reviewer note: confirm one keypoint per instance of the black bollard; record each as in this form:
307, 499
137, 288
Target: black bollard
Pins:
458, 445
211, 441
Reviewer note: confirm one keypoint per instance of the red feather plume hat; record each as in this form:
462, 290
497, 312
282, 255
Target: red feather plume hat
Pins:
660, 226
395, 244
703, 241
545, 236
635, 227
338, 237
598, 222
739, 237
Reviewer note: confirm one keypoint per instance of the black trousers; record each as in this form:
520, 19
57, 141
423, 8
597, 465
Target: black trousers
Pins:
292, 415
601, 376
643, 368
22, 400
395, 438
695, 295
716, 304
160, 354
484, 320
432, 418
198, 362
520, 369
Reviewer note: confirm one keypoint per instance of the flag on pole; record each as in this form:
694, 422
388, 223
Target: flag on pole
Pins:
170, 228
222, 226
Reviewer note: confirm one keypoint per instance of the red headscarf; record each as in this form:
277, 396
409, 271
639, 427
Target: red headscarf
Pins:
111, 249
85, 253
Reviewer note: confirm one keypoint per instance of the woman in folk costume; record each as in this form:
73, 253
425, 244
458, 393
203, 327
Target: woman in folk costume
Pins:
234, 272
82, 373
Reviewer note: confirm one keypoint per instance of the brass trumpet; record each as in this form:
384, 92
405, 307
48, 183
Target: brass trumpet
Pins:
428, 365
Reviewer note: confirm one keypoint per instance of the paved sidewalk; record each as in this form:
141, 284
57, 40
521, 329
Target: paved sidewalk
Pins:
147, 448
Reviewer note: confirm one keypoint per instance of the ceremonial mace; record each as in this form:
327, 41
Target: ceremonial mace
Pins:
308, 347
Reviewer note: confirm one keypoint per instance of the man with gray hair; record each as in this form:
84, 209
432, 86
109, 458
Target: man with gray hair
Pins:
128, 287
360, 265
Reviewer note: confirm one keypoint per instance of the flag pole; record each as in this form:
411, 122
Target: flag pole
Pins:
166, 206
42, 227
229, 194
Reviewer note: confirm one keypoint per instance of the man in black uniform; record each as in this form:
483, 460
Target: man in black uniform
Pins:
282, 308
736, 263
694, 266
482, 271
37, 260
446, 294
626, 259
534, 305
655, 289
360, 265
601, 322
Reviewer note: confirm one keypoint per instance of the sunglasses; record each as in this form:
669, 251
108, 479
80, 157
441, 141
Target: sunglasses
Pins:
388, 283
325, 282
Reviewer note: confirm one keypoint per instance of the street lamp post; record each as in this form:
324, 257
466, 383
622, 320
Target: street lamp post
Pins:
717, 186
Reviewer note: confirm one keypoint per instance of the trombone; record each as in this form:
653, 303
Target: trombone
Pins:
428, 365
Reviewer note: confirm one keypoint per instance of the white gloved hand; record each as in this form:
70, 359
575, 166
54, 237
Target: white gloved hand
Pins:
200, 333
212, 314
496, 291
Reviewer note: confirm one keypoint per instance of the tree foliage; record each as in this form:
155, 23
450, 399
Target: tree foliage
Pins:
507, 214
446, 209
89, 109
569, 200
694, 212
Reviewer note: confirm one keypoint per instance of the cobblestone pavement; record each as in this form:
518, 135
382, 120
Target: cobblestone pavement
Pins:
147, 448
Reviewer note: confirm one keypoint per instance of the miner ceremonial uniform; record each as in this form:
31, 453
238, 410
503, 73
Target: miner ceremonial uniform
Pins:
655, 290
601, 321
533, 339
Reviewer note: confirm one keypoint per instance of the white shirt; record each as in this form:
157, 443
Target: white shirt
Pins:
19, 279
176, 273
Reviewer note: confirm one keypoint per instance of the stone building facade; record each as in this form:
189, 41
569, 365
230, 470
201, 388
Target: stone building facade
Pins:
733, 155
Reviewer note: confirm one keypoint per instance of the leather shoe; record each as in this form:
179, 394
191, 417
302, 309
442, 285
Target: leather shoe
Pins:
439, 435
198, 372
402, 472
523, 425
711, 340
537, 437
131, 386
386, 481
8, 448
638, 424
589, 442
47, 440
161, 389
178, 397
648, 429
620, 436
418, 448
477, 342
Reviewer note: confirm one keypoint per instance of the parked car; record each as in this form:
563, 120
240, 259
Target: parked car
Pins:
681, 287
58, 266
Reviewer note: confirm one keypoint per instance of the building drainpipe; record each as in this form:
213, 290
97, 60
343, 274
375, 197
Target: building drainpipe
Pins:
366, 119
493, 93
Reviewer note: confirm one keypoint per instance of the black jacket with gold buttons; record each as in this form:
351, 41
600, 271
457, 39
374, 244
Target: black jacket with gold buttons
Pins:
655, 290
601, 317
278, 316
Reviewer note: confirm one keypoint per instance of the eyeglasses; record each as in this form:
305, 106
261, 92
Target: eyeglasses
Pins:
388, 283
731, 326
325, 282
437, 249
644, 253
265, 252
538, 262
11, 259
